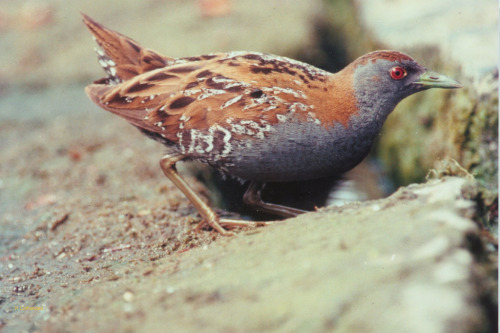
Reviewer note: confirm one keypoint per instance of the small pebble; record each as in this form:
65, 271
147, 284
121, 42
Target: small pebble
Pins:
128, 296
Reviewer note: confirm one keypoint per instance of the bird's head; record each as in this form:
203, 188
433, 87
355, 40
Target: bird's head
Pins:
381, 79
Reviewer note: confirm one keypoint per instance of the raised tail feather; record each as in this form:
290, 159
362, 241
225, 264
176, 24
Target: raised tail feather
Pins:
121, 57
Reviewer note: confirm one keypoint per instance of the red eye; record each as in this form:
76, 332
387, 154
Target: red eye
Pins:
397, 73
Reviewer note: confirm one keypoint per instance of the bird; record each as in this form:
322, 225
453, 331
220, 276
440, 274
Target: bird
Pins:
254, 117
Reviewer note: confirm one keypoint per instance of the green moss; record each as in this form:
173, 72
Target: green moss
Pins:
477, 141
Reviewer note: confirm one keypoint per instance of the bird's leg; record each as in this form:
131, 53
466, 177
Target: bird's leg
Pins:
167, 164
252, 197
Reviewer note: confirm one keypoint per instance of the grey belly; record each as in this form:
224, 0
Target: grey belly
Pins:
297, 151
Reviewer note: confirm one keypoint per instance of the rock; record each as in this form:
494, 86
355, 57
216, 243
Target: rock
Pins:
412, 262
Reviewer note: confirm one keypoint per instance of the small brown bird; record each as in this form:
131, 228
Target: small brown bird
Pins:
253, 116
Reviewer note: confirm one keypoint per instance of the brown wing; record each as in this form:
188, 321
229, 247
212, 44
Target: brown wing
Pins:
122, 57
244, 92
239, 91
210, 90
